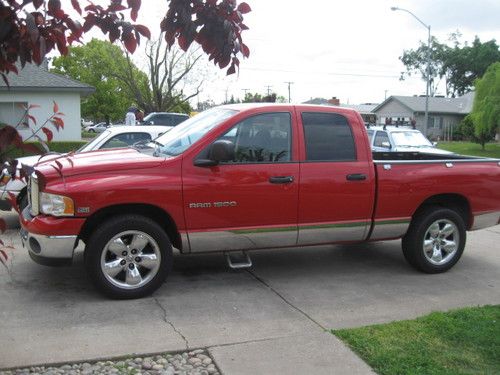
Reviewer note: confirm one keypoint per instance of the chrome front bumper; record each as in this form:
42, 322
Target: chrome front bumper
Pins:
49, 250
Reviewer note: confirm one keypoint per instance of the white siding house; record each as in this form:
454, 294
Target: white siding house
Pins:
35, 85
445, 114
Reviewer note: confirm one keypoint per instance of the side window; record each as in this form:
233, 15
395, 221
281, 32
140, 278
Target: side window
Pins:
328, 137
176, 120
381, 138
126, 139
265, 138
163, 120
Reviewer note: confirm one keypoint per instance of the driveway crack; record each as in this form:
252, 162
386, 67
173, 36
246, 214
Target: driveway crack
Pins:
263, 282
165, 319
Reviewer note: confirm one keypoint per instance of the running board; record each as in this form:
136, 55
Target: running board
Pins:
238, 260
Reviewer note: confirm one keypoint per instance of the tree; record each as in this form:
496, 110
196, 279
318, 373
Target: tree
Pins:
96, 63
168, 70
486, 109
463, 65
30, 29
416, 61
459, 65
257, 98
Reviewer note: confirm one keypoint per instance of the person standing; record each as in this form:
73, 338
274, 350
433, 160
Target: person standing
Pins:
139, 116
130, 116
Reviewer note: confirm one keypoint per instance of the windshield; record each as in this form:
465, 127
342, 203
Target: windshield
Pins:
91, 145
177, 140
410, 139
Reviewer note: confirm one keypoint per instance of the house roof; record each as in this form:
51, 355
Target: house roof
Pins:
361, 108
460, 105
38, 78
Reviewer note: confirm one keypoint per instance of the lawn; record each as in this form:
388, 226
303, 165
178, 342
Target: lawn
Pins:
492, 150
465, 341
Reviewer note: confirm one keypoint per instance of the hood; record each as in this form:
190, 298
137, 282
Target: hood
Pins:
96, 162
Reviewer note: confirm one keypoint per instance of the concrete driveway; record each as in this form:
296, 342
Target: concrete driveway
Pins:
270, 319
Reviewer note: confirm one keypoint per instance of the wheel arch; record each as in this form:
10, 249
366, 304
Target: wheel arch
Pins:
155, 213
456, 202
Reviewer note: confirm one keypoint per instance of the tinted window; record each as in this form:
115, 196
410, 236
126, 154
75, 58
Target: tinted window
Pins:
328, 137
126, 139
262, 139
380, 138
166, 119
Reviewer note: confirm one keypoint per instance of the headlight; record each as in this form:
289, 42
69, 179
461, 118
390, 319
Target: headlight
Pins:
56, 205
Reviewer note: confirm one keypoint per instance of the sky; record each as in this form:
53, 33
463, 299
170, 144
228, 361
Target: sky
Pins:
344, 49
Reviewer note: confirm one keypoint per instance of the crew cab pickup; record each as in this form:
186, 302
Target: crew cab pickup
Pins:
245, 177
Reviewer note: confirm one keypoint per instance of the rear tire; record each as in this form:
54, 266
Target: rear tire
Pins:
435, 240
128, 257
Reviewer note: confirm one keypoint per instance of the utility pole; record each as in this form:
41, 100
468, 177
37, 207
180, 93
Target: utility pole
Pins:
289, 96
268, 90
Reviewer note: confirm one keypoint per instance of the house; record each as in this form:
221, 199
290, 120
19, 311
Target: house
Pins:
444, 113
35, 85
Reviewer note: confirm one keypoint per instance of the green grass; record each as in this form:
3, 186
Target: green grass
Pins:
492, 150
53, 146
89, 134
465, 341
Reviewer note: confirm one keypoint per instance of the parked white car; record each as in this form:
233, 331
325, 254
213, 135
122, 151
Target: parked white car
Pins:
401, 139
112, 137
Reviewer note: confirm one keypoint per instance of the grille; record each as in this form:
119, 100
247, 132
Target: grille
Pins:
33, 195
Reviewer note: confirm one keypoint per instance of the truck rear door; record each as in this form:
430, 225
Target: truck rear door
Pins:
337, 189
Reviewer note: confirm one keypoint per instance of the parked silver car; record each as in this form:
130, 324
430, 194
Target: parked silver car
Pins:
97, 128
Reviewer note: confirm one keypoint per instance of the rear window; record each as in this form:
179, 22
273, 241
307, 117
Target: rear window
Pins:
328, 137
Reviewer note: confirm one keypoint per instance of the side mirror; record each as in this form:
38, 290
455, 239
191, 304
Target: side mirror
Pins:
221, 150
386, 145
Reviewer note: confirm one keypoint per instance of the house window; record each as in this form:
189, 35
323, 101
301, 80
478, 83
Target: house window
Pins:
435, 122
13, 113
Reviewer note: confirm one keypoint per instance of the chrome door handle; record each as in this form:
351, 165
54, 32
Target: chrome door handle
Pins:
281, 179
356, 177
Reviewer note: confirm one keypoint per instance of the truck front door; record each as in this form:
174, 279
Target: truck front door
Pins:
251, 201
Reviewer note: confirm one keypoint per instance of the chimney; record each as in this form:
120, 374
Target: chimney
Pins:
334, 101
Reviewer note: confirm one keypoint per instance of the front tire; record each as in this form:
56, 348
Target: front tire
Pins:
128, 257
435, 240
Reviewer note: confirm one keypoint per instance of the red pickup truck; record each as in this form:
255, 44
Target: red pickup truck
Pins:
244, 177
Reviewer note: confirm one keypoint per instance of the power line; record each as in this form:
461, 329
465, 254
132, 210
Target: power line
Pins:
328, 73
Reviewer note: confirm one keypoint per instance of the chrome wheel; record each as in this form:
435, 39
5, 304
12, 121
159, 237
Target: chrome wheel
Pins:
441, 241
130, 259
